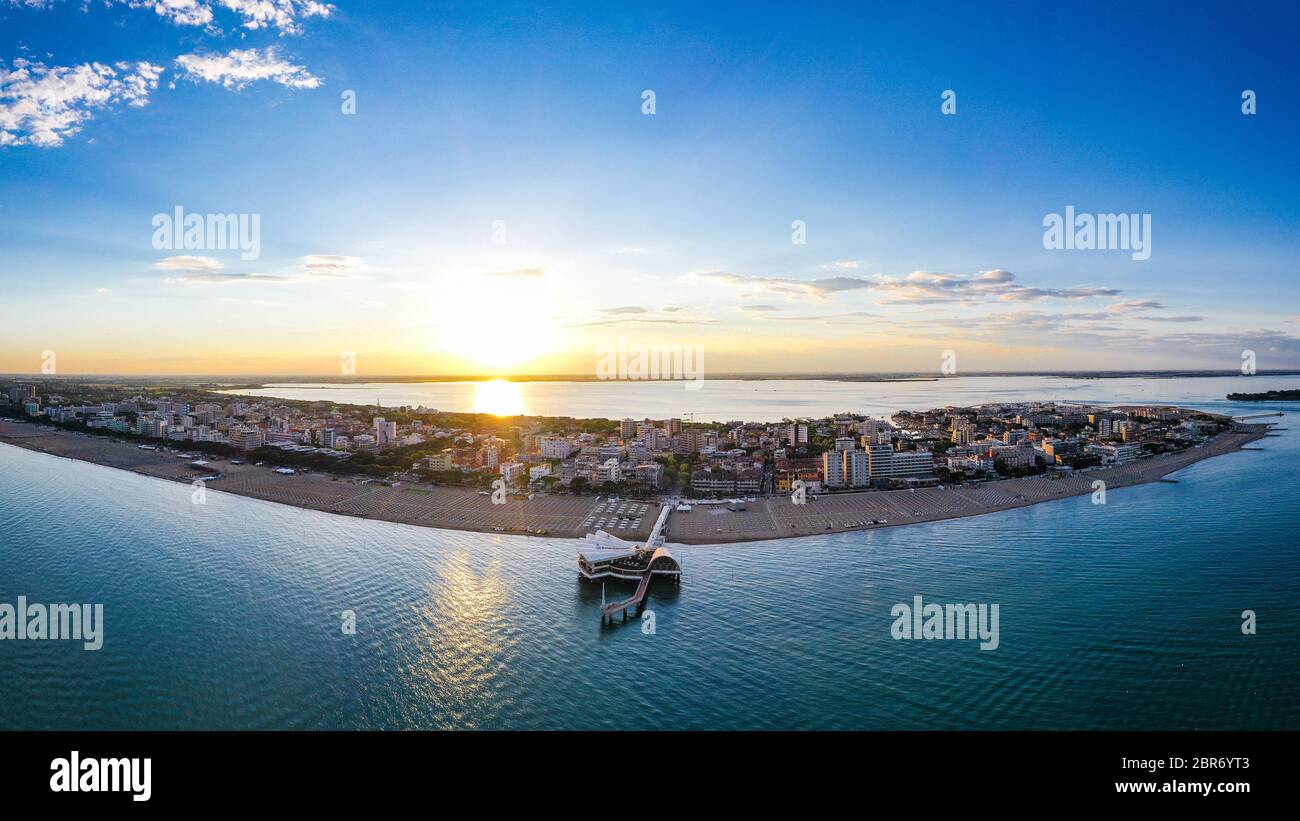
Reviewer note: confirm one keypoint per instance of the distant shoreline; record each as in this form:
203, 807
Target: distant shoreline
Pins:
885, 378
234, 382
563, 516
1266, 396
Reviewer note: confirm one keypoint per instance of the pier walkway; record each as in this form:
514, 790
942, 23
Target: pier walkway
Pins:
637, 598
660, 560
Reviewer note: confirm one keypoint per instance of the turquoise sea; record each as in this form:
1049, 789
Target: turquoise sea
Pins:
227, 615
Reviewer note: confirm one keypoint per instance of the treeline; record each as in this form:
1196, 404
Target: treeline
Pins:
1266, 396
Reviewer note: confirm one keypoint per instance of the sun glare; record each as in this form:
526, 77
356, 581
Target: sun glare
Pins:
499, 398
497, 325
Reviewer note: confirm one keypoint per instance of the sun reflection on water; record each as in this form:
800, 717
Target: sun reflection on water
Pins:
500, 398
464, 643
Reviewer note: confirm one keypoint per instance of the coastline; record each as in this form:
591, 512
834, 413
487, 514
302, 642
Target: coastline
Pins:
573, 516
846, 512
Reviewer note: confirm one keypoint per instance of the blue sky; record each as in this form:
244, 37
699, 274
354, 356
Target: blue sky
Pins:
671, 228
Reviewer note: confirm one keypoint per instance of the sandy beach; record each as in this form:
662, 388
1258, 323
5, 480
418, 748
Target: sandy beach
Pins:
573, 516
778, 517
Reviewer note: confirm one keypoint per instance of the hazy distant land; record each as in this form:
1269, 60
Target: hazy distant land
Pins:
1266, 396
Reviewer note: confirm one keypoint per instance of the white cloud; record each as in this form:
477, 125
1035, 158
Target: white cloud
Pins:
222, 278
1135, 305
279, 14
188, 263
331, 265
285, 16
829, 318
44, 105
520, 272
633, 321
181, 12
929, 287
625, 309
240, 67
917, 288
632, 315
197, 270
784, 285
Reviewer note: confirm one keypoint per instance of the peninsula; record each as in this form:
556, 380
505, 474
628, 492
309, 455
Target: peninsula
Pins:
727, 481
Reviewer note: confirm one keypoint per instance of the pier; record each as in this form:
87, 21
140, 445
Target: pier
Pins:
607, 556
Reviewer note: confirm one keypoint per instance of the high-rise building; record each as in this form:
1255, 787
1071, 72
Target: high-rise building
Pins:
879, 461
796, 434
247, 438
833, 468
857, 468
912, 463
385, 432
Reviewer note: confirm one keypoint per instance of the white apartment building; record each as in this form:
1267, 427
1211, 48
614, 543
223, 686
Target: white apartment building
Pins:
609, 471
857, 468
247, 438
833, 468
886, 463
511, 471
442, 461
1115, 454
557, 447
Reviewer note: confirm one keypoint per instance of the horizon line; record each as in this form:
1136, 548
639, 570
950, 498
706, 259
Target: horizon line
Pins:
572, 377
